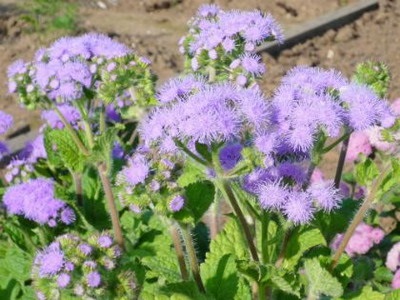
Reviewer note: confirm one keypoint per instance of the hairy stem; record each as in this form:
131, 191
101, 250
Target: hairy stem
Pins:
177, 240
228, 194
102, 169
194, 264
77, 178
359, 216
342, 157
72, 132
190, 153
281, 254
337, 142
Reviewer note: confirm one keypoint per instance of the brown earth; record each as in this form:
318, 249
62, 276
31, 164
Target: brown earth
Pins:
153, 28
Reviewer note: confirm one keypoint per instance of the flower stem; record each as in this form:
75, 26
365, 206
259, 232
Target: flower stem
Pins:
285, 243
176, 238
328, 148
342, 157
228, 194
102, 169
77, 178
190, 153
72, 132
194, 264
359, 216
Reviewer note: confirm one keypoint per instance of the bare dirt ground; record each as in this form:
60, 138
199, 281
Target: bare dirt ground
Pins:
153, 28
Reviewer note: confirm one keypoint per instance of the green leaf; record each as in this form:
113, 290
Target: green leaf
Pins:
367, 293
383, 274
320, 281
61, 142
182, 291
199, 197
191, 173
243, 292
395, 295
220, 279
365, 172
204, 151
302, 239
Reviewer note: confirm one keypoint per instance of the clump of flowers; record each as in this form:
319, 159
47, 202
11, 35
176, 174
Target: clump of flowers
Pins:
83, 268
35, 200
6, 121
139, 187
363, 239
220, 38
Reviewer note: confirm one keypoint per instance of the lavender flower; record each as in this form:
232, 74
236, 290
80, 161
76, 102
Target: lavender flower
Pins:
298, 207
325, 195
6, 121
63, 280
230, 155
105, 241
179, 88
177, 203
271, 195
50, 261
35, 200
93, 279
135, 172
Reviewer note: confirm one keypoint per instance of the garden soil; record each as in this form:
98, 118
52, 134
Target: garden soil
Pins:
153, 28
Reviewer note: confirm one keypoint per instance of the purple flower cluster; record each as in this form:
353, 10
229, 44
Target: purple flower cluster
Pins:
211, 113
65, 69
313, 99
230, 37
393, 263
280, 189
363, 239
35, 200
77, 264
6, 121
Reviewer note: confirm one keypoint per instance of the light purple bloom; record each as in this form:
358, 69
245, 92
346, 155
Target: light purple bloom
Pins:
93, 279
105, 241
252, 64
6, 121
35, 200
271, 195
325, 195
50, 261
135, 172
85, 249
230, 155
177, 203
63, 280
70, 113
358, 144
298, 207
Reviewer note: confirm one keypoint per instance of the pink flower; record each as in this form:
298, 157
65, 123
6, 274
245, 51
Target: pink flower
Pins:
359, 144
393, 257
396, 280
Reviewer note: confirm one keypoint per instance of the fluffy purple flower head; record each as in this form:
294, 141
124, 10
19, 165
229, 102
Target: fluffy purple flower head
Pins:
325, 195
34, 150
63, 280
272, 195
365, 109
35, 200
16, 68
85, 249
177, 203
252, 181
3, 150
252, 64
230, 155
93, 279
292, 171
67, 216
6, 121
298, 207
70, 113
179, 88
50, 261
135, 172
105, 241
208, 10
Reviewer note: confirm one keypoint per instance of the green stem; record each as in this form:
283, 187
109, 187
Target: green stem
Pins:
226, 190
177, 241
285, 243
337, 142
102, 169
264, 235
190, 153
359, 215
194, 264
77, 178
342, 157
72, 132
102, 120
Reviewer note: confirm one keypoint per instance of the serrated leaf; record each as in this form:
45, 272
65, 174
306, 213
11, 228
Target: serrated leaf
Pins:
220, 278
182, 291
199, 197
365, 172
61, 142
191, 173
395, 295
243, 291
302, 239
320, 281
367, 293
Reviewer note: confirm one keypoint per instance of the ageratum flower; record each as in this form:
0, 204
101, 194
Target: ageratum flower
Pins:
215, 113
311, 99
6, 121
35, 200
84, 268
